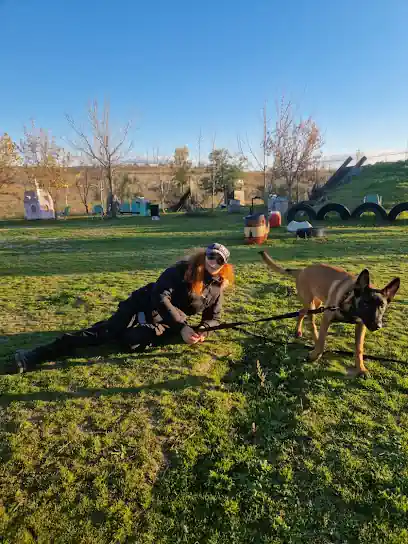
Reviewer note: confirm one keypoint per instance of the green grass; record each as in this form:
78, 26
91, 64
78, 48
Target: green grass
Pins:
233, 441
390, 180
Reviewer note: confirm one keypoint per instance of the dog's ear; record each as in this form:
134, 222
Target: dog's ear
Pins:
391, 289
363, 281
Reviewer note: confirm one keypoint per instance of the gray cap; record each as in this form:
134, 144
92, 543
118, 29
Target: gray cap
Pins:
220, 249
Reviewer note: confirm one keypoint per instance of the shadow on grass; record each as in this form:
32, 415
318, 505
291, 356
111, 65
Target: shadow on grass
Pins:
51, 396
105, 354
25, 340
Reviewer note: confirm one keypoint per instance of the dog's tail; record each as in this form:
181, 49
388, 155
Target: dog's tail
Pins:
277, 267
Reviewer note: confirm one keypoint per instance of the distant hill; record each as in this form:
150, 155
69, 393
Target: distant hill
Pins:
388, 179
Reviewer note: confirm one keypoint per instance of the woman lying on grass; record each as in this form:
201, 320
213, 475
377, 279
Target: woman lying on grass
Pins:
154, 314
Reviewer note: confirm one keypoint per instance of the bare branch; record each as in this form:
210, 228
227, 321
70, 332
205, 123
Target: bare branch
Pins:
85, 147
295, 146
83, 185
44, 161
122, 141
258, 162
99, 145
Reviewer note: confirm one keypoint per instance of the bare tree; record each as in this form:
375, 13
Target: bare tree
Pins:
83, 183
259, 160
164, 186
212, 175
199, 140
101, 147
295, 145
9, 161
209, 181
44, 161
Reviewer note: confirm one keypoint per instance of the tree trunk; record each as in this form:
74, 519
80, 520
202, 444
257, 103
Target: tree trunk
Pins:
86, 208
266, 199
289, 184
265, 190
54, 197
111, 205
162, 195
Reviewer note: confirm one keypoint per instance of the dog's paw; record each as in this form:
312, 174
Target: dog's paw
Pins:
358, 372
298, 334
314, 355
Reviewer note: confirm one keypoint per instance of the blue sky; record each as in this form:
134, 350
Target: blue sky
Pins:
176, 67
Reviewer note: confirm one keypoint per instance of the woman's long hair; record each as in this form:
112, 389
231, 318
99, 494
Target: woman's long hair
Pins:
196, 269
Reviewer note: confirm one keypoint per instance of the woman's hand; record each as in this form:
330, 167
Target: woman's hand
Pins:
190, 336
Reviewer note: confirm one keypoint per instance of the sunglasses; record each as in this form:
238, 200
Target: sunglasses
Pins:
216, 257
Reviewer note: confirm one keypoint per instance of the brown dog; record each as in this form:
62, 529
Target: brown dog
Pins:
356, 302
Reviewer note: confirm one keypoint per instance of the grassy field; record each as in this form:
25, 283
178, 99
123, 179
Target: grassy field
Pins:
233, 441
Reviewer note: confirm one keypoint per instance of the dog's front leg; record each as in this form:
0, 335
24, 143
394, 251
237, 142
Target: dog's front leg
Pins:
359, 351
319, 344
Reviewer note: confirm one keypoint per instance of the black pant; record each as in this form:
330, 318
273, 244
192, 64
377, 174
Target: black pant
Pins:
121, 329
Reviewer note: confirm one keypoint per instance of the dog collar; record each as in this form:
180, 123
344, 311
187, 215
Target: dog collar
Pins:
349, 314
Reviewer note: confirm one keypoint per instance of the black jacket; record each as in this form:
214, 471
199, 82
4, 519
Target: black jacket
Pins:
169, 300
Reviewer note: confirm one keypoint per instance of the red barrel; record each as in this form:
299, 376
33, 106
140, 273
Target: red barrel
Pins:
275, 219
256, 229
